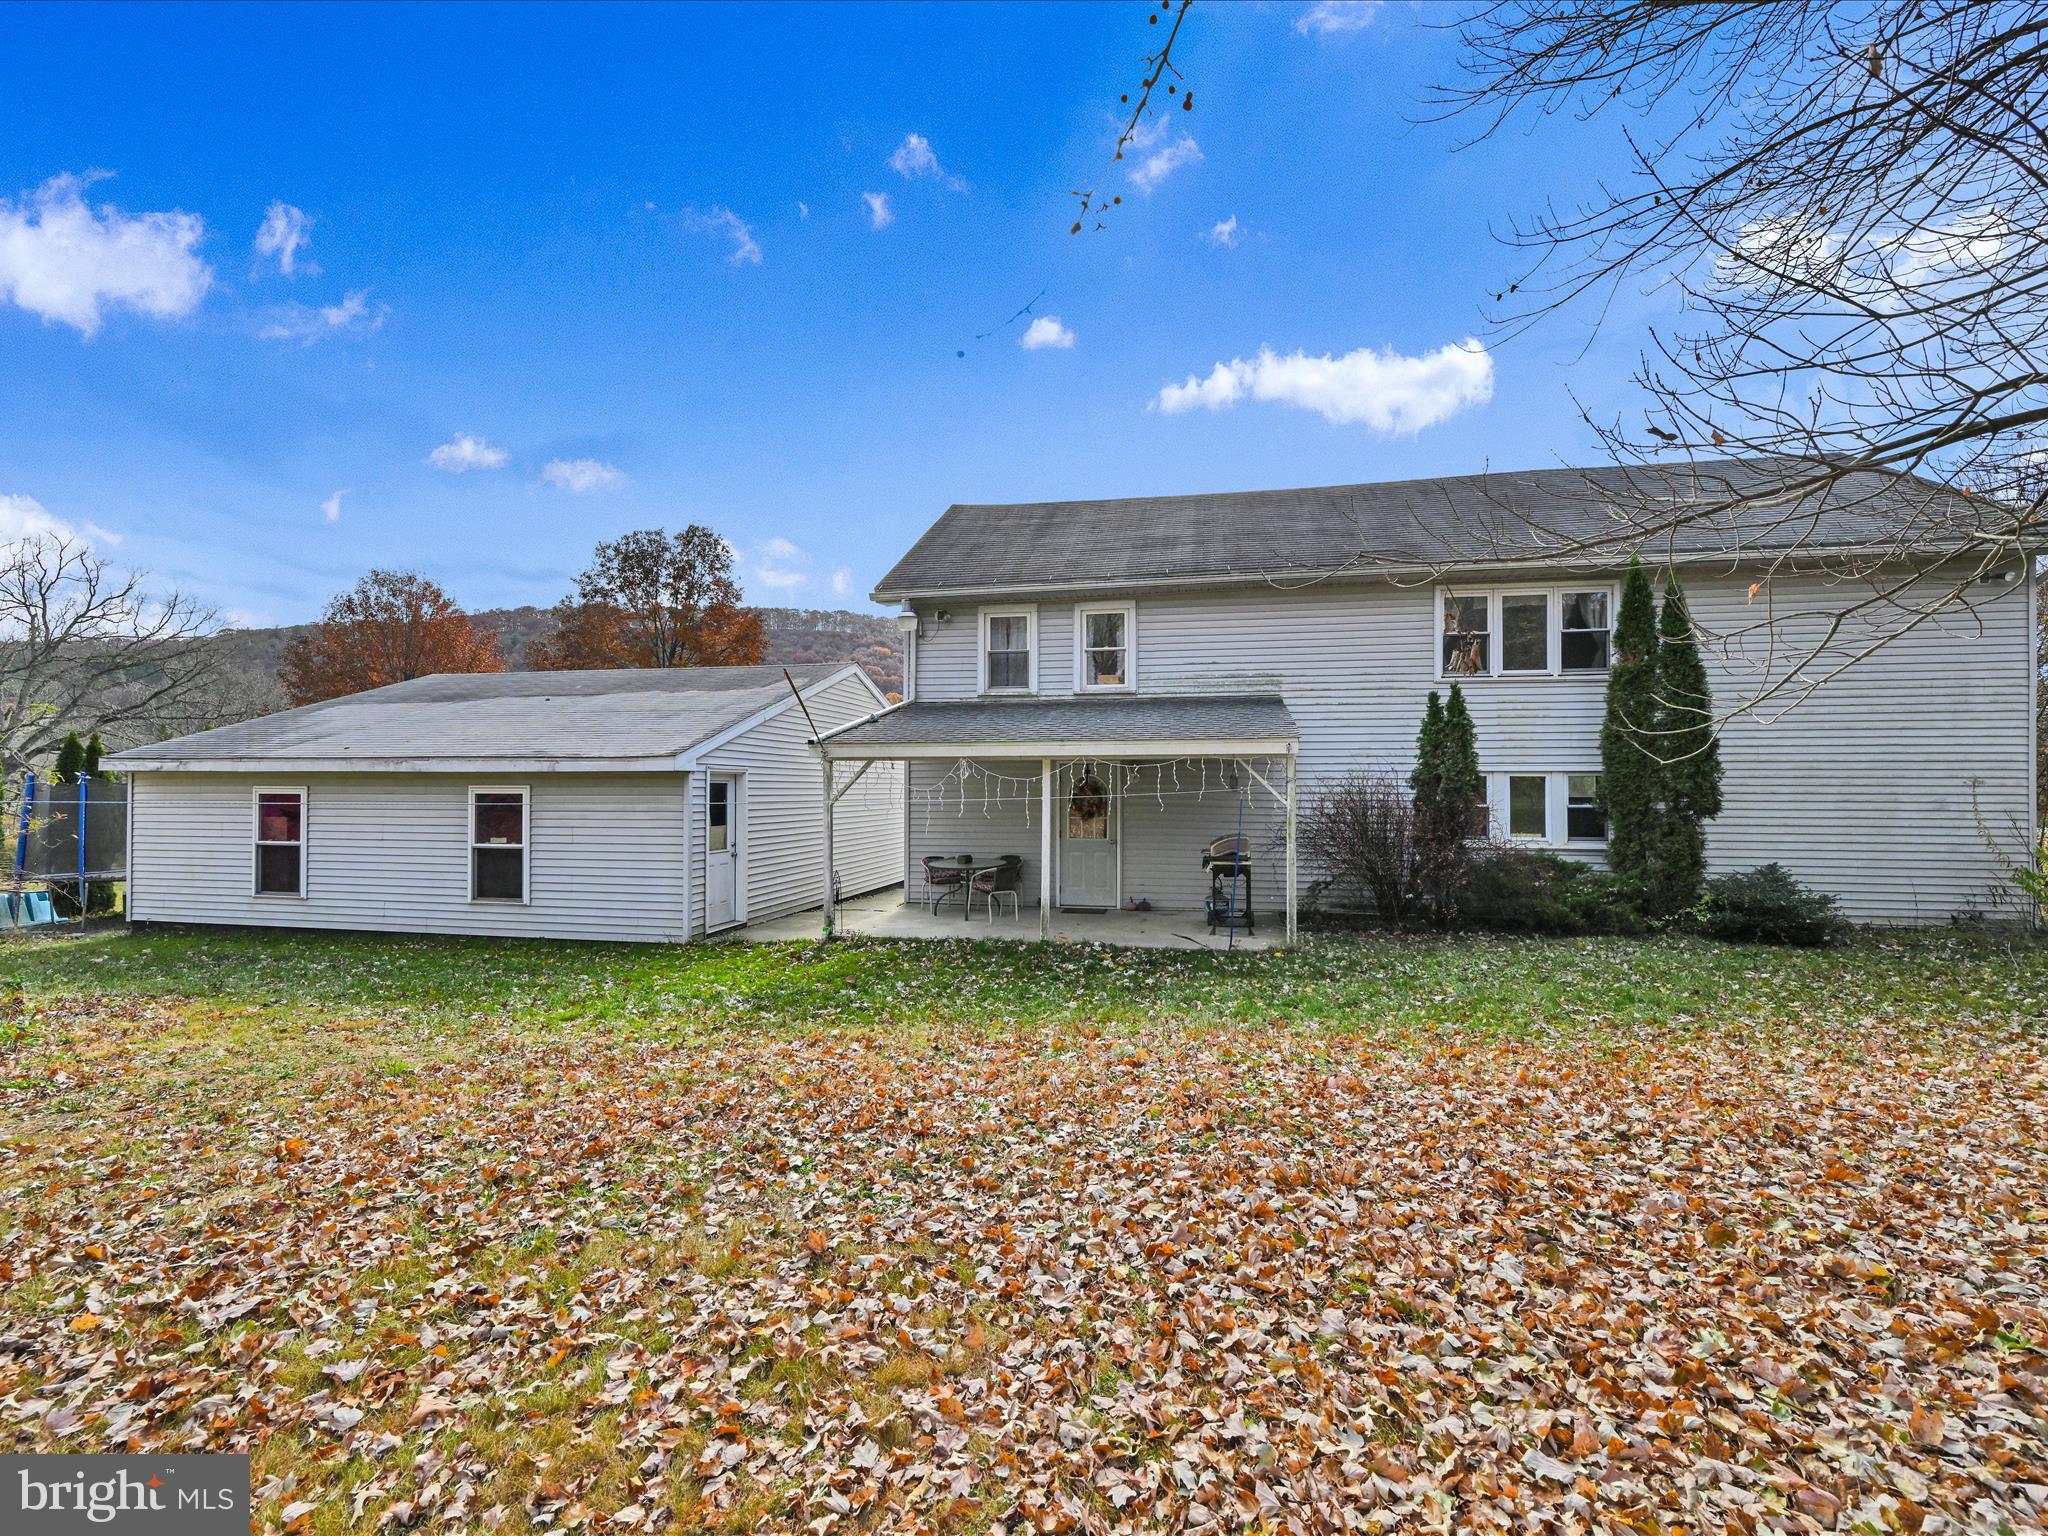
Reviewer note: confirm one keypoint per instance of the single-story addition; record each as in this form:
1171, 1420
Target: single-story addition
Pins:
636, 805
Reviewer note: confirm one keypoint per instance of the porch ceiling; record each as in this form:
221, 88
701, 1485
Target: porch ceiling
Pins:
1156, 725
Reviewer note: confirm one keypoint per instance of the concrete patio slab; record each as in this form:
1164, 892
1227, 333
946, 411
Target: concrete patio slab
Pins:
884, 915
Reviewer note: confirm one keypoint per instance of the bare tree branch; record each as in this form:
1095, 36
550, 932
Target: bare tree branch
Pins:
83, 647
1848, 209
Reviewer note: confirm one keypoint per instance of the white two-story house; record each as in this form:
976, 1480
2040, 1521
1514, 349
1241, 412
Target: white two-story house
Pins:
1101, 689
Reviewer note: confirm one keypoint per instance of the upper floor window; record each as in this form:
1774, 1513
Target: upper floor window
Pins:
1105, 641
1524, 631
1009, 650
280, 842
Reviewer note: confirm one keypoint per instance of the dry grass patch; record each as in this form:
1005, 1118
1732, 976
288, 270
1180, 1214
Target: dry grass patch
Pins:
1242, 1277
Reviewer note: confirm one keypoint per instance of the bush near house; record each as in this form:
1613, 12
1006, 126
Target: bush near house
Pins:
1767, 906
1510, 889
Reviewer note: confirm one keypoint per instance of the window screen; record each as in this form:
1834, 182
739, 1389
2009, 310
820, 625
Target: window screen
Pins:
1009, 651
280, 843
497, 851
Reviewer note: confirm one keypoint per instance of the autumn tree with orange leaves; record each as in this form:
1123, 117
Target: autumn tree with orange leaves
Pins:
654, 599
392, 626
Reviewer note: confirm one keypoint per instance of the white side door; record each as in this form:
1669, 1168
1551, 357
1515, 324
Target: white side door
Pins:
1088, 853
721, 851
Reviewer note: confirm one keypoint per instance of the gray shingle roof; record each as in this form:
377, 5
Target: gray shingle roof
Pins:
1580, 514
526, 716
1141, 718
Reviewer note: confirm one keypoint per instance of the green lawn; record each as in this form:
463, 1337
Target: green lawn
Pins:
1487, 984
1471, 1234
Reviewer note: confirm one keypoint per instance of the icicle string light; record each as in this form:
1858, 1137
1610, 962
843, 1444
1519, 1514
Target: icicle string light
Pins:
966, 780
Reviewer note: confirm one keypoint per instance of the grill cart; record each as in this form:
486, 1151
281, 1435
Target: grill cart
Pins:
1228, 861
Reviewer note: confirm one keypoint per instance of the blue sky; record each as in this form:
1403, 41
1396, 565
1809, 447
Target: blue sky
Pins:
630, 256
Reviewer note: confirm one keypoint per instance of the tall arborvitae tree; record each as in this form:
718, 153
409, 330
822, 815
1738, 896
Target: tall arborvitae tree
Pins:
95, 749
1630, 772
70, 760
1459, 781
1429, 752
1446, 782
1689, 754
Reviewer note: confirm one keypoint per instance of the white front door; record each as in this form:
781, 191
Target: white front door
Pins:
1088, 868
721, 852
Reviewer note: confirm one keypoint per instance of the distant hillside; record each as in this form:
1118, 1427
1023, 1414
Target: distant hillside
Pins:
794, 635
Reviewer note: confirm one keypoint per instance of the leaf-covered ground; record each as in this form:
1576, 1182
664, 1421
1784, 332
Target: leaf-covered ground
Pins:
1085, 1265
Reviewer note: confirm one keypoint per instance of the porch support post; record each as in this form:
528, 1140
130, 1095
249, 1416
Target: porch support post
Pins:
1045, 848
825, 768
1292, 761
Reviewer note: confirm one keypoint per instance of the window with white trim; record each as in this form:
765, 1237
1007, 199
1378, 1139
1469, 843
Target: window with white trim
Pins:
1585, 818
1585, 629
280, 842
1009, 650
1468, 635
1529, 806
1105, 647
1524, 631
718, 820
1557, 809
497, 842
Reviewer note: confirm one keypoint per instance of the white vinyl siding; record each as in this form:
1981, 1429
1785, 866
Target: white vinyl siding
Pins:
781, 839
607, 856
392, 852
1902, 787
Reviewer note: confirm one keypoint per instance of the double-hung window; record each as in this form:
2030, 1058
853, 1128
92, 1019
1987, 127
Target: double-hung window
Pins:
1106, 645
1524, 631
280, 842
1585, 629
1560, 809
1585, 818
498, 842
1468, 634
1009, 650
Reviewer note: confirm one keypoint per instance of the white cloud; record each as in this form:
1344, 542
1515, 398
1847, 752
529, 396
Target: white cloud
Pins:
464, 452
23, 517
842, 582
1224, 233
1384, 389
803, 210
331, 507
283, 231
308, 323
68, 262
1163, 162
746, 250
1045, 331
1328, 17
878, 209
779, 564
582, 476
915, 157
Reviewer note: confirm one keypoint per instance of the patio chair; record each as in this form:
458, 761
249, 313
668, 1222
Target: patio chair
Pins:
999, 880
945, 875
37, 908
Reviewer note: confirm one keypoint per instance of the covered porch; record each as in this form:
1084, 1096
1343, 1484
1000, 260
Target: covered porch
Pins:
891, 914
1127, 814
